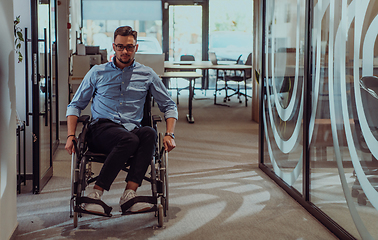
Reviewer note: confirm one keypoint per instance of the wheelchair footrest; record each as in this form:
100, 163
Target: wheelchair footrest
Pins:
82, 210
81, 200
153, 209
127, 205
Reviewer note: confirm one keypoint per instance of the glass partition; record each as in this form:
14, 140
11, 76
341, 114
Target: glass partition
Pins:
283, 89
336, 177
344, 120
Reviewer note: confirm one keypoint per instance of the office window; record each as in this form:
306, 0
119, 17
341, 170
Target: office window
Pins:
185, 31
230, 33
101, 18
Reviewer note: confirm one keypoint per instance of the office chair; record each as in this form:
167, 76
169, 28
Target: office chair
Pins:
369, 97
178, 90
239, 78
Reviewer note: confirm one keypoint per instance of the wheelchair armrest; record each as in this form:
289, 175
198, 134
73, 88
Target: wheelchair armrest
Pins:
84, 118
156, 118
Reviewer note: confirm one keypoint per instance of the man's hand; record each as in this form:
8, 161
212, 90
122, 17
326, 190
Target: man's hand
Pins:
169, 143
69, 145
71, 129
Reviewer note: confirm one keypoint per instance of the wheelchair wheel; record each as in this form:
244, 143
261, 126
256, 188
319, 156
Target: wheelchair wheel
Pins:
160, 143
160, 215
80, 180
75, 219
163, 203
164, 178
73, 184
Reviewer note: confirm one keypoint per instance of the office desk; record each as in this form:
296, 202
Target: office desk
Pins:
190, 76
191, 65
203, 65
187, 65
206, 65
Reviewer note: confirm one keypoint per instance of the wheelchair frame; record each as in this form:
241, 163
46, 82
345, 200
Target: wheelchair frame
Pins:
82, 176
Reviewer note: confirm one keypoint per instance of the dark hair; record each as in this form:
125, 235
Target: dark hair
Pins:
125, 31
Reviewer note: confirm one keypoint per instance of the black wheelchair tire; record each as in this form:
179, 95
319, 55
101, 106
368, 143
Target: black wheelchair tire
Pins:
75, 219
82, 177
81, 184
160, 215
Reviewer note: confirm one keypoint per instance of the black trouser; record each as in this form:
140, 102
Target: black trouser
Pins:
120, 144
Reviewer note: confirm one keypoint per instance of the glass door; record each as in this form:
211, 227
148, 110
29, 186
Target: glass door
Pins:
41, 93
185, 31
54, 78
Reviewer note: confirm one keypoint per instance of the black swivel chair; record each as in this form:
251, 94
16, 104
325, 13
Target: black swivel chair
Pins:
239, 78
184, 58
187, 58
369, 97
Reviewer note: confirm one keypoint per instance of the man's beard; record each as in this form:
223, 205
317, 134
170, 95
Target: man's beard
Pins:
125, 62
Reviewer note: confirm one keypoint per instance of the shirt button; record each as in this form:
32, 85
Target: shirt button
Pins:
121, 94
123, 82
120, 103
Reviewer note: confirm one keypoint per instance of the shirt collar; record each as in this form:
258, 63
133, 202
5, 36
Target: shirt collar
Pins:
129, 67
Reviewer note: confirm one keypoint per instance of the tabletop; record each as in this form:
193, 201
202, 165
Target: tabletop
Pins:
181, 75
192, 65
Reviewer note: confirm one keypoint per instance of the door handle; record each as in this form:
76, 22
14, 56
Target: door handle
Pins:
47, 90
26, 78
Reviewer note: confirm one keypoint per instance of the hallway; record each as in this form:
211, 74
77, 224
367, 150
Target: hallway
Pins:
217, 190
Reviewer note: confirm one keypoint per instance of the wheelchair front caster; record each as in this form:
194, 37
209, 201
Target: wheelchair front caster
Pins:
164, 204
75, 216
361, 199
355, 193
160, 215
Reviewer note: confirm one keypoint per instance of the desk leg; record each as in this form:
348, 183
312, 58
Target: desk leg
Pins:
245, 88
216, 90
216, 87
189, 116
205, 79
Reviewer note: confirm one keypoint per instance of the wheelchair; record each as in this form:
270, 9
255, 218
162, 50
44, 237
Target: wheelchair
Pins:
82, 175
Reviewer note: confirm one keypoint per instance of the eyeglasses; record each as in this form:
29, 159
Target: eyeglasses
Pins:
129, 47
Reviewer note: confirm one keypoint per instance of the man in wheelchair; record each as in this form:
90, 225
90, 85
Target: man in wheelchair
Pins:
118, 91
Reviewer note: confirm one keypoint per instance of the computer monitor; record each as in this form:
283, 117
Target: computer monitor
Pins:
213, 58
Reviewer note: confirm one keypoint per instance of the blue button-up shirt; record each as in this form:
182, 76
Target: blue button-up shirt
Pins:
119, 94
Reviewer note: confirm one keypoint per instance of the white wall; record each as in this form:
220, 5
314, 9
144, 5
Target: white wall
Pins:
8, 182
63, 54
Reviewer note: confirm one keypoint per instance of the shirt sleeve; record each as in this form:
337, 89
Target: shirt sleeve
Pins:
83, 94
162, 97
